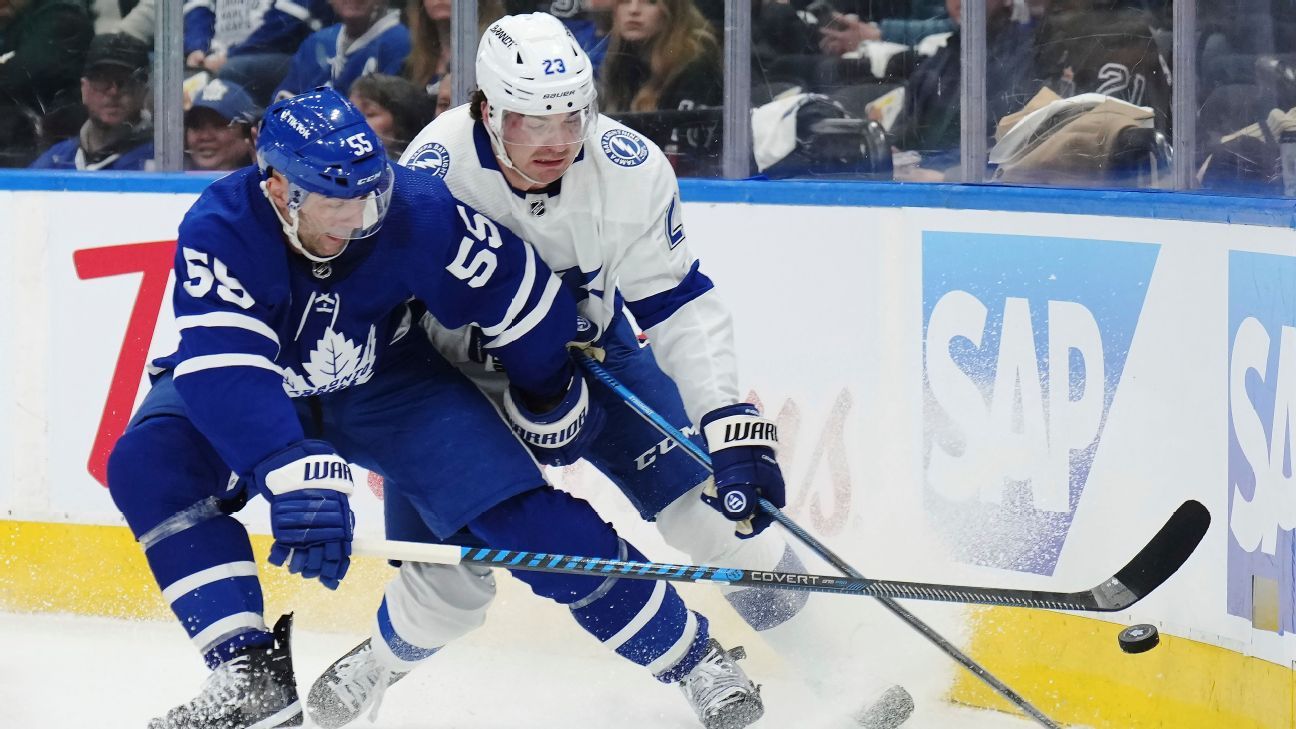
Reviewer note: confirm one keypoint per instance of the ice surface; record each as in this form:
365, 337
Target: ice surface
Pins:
65, 672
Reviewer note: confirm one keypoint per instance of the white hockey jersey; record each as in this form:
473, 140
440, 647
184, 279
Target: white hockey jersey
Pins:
612, 229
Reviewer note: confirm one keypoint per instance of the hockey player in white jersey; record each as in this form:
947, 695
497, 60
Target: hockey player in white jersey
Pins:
600, 203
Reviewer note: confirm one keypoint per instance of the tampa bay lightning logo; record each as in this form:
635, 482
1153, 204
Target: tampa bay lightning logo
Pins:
624, 147
432, 157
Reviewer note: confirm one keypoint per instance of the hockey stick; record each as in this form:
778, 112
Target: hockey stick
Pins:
1112, 595
1136, 571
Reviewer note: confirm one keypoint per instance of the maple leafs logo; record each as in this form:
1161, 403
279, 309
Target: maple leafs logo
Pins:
335, 363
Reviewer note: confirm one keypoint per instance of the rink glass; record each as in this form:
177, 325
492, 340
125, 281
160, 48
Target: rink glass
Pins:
1235, 59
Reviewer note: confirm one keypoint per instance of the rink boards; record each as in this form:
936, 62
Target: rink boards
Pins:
973, 385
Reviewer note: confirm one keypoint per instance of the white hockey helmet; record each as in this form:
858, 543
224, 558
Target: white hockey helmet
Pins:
531, 68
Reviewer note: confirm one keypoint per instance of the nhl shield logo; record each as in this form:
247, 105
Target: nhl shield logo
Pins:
538, 207
432, 158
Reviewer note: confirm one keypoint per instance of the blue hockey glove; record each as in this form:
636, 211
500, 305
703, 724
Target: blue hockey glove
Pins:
742, 445
307, 485
556, 435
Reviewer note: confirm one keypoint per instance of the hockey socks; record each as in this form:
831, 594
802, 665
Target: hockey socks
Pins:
209, 577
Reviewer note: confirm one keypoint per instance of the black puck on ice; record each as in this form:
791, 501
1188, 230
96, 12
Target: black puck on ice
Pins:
1139, 638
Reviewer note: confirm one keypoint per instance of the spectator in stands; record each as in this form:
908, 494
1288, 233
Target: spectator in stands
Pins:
250, 42
219, 128
443, 93
929, 122
139, 21
116, 136
590, 22
394, 107
846, 32
1105, 47
429, 28
662, 55
368, 38
42, 52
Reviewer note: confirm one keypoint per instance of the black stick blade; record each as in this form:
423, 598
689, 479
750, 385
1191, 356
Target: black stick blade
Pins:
1167, 551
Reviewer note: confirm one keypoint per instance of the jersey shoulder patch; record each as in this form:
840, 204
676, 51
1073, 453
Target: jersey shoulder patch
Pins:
624, 147
432, 158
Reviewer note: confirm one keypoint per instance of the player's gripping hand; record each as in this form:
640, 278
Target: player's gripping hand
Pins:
587, 339
742, 444
557, 432
308, 484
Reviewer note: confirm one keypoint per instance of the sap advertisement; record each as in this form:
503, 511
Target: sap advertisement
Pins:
1000, 398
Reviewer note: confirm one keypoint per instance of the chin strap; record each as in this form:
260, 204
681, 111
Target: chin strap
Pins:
290, 229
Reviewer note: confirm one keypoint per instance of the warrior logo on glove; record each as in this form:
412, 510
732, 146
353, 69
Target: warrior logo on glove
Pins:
735, 502
750, 430
742, 444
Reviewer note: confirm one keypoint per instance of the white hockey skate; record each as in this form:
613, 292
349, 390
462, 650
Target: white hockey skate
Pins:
354, 682
256, 690
719, 690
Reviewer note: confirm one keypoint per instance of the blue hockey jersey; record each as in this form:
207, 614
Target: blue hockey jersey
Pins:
252, 26
260, 324
327, 58
68, 155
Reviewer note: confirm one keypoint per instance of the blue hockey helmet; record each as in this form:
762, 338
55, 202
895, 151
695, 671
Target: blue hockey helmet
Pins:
339, 178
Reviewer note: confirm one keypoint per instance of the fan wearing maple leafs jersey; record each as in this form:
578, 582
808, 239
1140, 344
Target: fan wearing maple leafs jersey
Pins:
294, 297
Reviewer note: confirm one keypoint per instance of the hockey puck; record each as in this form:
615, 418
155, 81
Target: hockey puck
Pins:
1139, 638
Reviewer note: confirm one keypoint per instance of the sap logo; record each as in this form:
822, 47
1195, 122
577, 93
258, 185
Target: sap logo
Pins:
1262, 439
1027, 431
1266, 444
1026, 340
663, 447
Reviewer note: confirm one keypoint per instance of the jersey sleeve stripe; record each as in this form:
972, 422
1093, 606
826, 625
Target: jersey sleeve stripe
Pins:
214, 361
529, 322
228, 319
653, 310
519, 297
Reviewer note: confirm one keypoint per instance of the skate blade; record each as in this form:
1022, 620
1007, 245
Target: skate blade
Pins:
290, 715
737, 715
891, 709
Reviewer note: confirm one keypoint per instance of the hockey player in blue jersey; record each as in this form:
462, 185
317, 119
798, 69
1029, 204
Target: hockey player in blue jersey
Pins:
293, 297
601, 205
